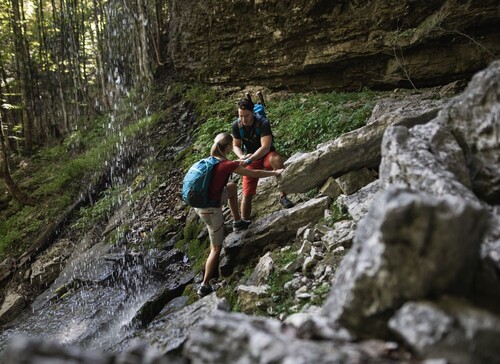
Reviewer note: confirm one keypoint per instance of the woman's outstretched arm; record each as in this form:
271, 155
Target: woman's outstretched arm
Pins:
257, 173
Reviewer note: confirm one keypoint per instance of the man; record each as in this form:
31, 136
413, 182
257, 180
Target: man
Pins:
253, 145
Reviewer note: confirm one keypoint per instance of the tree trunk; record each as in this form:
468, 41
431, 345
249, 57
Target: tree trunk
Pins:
143, 51
9, 183
101, 72
21, 54
10, 146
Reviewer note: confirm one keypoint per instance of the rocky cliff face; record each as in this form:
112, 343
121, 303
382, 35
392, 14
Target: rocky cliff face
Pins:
318, 44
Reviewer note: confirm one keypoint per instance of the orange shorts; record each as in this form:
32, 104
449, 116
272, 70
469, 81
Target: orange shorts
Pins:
249, 183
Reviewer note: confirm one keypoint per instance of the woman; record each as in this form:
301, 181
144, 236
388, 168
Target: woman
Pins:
221, 190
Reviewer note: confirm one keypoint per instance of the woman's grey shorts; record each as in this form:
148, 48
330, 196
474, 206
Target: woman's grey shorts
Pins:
213, 218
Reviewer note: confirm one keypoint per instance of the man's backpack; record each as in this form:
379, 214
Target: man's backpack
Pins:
196, 182
260, 109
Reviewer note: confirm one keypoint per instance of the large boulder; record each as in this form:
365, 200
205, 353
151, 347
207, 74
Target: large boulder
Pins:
474, 119
354, 150
11, 307
229, 337
273, 230
456, 153
449, 328
173, 326
409, 246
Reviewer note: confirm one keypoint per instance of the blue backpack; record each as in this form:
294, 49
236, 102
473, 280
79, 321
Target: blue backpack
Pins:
259, 109
196, 182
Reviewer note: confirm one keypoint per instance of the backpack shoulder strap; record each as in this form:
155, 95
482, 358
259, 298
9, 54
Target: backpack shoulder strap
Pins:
212, 160
258, 123
241, 128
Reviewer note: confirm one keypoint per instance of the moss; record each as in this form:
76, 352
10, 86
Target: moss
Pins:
164, 227
190, 292
118, 235
197, 250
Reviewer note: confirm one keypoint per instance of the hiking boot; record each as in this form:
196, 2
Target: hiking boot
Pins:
204, 290
248, 96
241, 225
261, 98
286, 203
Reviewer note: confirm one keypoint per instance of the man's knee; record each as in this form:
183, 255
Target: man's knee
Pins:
276, 161
232, 189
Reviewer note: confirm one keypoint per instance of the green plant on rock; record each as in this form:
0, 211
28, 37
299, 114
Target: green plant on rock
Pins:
164, 227
282, 298
320, 294
101, 210
229, 291
197, 250
338, 213
190, 292
118, 235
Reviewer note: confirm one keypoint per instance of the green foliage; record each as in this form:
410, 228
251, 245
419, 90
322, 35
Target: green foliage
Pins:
205, 139
190, 292
301, 122
15, 226
158, 236
197, 250
214, 114
18, 222
56, 174
320, 294
338, 213
229, 292
164, 227
118, 235
93, 215
282, 299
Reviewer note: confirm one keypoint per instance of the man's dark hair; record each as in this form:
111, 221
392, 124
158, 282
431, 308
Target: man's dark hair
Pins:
245, 104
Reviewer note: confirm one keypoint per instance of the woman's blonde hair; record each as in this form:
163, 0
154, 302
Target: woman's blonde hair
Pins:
221, 141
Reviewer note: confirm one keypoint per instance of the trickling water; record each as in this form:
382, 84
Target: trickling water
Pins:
106, 288
105, 285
